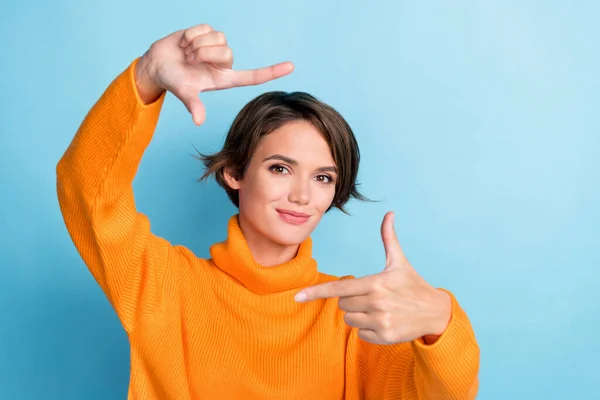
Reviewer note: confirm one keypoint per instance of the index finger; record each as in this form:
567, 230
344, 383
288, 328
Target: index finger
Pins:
341, 288
261, 75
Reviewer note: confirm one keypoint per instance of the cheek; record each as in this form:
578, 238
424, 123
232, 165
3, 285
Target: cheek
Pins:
263, 188
275, 189
323, 198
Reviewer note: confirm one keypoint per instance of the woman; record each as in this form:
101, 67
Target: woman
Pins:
256, 320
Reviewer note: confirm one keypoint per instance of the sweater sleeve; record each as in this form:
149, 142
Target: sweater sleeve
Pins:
95, 195
445, 370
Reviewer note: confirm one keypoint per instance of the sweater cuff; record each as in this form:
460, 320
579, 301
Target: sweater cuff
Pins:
455, 350
131, 91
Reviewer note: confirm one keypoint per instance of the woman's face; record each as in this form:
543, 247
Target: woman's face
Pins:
288, 186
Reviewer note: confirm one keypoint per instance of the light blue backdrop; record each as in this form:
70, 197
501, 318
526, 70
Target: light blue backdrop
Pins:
478, 124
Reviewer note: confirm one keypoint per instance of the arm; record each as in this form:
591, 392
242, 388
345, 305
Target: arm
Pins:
445, 370
416, 342
94, 187
95, 175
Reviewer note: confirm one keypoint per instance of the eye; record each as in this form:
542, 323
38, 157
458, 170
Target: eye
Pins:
279, 169
324, 178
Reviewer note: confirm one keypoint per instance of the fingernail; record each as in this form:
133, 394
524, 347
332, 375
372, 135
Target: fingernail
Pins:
300, 297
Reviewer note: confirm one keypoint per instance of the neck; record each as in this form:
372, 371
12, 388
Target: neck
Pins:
265, 251
234, 257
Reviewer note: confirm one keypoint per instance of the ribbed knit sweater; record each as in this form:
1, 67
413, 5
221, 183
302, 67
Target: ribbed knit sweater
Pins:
226, 327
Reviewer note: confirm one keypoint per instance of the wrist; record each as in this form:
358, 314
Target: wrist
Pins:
147, 88
443, 313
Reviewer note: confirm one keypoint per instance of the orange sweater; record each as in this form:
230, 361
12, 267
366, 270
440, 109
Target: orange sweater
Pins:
227, 328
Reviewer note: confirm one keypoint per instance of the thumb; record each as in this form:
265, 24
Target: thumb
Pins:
194, 106
393, 250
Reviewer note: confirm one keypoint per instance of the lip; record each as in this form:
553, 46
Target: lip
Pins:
293, 217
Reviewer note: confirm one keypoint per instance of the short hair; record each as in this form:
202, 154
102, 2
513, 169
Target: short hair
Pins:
268, 112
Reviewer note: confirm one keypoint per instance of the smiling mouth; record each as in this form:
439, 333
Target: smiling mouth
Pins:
292, 217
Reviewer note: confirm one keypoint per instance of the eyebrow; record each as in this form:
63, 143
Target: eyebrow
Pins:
295, 163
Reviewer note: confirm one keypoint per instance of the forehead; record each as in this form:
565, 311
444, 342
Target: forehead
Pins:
299, 140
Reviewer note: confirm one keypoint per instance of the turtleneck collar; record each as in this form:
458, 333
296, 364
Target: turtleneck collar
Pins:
233, 256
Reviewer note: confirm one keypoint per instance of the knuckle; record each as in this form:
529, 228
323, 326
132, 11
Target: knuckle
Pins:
347, 319
220, 38
378, 296
363, 334
332, 287
199, 54
384, 321
187, 36
388, 336
193, 42
191, 34
378, 283
379, 304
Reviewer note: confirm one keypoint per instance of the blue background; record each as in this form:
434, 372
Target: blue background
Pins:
478, 125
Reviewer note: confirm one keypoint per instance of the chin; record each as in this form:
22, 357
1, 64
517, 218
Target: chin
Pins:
290, 235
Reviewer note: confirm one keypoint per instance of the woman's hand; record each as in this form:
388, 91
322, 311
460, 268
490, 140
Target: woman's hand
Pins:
192, 61
394, 306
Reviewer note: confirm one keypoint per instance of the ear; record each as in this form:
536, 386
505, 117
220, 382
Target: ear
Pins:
231, 178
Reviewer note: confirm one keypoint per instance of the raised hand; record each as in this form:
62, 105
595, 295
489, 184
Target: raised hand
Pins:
197, 60
393, 306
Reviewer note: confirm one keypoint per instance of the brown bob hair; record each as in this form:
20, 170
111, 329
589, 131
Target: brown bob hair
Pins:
271, 110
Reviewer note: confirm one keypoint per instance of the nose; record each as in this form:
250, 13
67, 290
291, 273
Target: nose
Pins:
299, 192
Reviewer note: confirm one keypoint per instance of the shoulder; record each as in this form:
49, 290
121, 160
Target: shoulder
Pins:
183, 258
